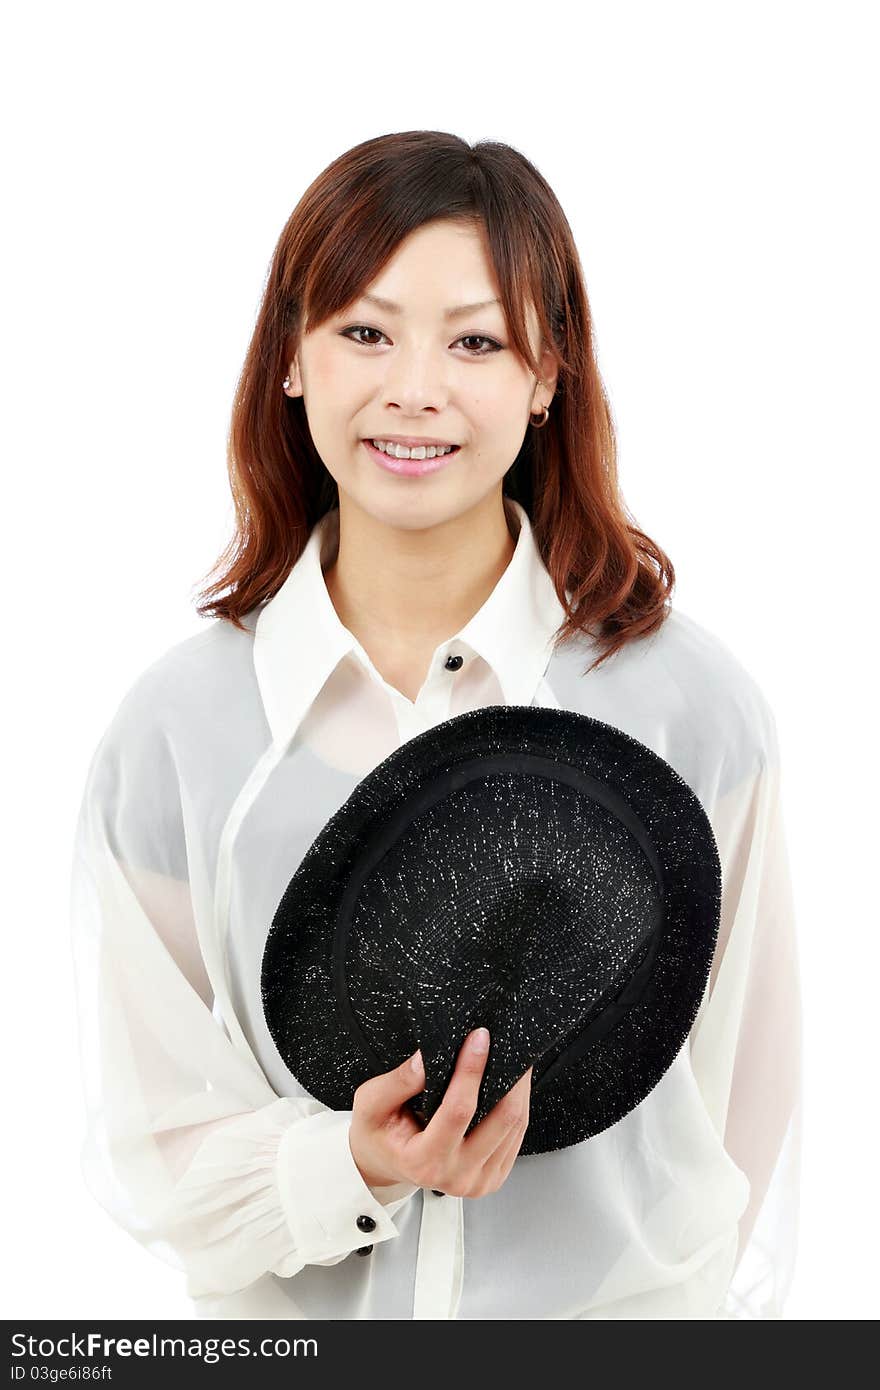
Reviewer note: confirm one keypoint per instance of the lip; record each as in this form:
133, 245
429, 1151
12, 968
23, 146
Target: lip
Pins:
412, 441
413, 468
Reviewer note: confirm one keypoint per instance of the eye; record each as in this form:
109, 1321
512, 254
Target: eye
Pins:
493, 346
479, 338
360, 328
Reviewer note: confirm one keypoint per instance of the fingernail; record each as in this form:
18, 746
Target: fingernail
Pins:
480, 1040
415, 1060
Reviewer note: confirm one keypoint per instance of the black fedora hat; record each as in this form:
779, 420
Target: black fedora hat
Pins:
532, 870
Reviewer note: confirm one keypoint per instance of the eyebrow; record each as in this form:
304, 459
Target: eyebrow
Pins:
391, 308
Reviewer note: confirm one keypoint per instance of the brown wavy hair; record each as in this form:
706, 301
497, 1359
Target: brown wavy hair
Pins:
613, 580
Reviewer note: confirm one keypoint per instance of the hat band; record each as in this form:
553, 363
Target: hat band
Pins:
612, 1008
378, 844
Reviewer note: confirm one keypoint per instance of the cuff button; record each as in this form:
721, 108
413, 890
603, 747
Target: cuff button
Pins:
364, 1249
366, 1223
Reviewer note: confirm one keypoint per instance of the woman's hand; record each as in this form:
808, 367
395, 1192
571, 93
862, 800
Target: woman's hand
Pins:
389, 1146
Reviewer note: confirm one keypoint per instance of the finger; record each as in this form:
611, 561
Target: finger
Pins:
525, 1081
381, 1095
494, 1130
447, 1126
501, 1161
498, 1166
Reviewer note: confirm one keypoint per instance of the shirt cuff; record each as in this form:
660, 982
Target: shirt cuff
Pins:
323, 1192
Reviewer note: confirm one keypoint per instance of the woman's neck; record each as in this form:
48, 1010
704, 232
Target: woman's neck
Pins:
403, 591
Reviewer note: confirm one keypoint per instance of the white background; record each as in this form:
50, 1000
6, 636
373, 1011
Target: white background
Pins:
717, 163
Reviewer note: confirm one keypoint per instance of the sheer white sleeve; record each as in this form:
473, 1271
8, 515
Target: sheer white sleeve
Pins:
746, 1043
187, 1146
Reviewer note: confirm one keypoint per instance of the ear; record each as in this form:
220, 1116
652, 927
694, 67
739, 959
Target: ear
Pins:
546, 388
295, 387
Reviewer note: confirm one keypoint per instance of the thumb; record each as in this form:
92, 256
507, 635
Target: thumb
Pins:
385, 1093
412, 1071
407, 1079
412, 1081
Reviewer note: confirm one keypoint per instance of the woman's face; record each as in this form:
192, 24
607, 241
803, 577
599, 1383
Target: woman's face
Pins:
420, 372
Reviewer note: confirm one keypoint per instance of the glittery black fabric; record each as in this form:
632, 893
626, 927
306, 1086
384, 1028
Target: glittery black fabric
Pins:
534, 870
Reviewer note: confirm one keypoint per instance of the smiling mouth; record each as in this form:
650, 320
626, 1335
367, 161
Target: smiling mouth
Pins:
441, 450
410, 467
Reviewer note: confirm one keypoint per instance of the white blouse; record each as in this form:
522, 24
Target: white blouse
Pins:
222, 763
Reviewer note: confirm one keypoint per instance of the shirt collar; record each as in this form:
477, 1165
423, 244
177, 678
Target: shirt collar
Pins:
299, 639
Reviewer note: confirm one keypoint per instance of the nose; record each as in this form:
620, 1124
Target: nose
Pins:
417, 381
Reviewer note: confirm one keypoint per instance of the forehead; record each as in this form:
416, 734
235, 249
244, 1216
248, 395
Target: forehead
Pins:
443, 268
441, 271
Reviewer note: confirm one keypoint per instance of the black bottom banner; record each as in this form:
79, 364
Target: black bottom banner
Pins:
132, 1353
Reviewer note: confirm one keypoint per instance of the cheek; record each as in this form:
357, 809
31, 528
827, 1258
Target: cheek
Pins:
322, 368
497, 401
498, 425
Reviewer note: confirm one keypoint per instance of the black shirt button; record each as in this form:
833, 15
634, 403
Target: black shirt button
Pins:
436, 1193
366, 1223
364, 1249
454, 663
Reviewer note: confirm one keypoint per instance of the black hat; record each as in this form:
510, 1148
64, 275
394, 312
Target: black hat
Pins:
532, 870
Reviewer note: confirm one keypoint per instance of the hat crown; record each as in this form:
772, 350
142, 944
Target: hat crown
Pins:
558, 900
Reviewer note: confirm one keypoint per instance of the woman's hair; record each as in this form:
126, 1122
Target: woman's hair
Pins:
613, 580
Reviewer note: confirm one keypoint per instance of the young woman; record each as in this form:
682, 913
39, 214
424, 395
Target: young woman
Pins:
428, 522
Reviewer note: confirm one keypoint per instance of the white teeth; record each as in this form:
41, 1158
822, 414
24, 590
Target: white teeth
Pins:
401, 451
